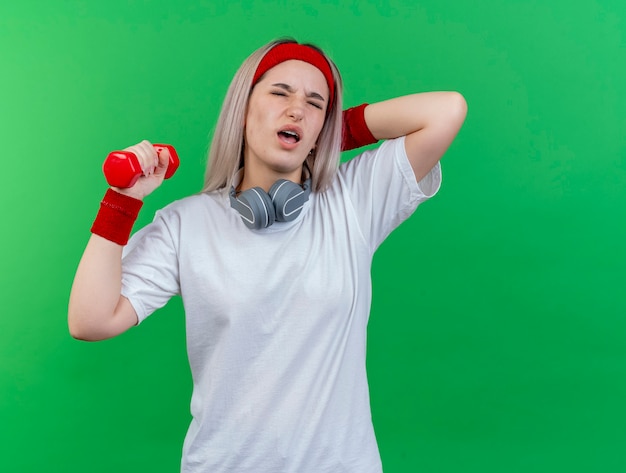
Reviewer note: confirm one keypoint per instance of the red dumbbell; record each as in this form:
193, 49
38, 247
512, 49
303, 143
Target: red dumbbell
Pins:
122, 169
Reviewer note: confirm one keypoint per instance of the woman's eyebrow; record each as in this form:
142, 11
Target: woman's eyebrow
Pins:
288, 88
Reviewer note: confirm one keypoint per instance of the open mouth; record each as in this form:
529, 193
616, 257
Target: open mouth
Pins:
289, 136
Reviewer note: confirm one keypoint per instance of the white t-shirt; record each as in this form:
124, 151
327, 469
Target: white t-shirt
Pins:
276, 318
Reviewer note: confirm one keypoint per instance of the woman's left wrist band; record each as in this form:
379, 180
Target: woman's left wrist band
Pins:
355, 133
116, 217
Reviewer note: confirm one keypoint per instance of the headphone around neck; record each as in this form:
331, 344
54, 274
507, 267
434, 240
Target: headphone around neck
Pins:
283, 203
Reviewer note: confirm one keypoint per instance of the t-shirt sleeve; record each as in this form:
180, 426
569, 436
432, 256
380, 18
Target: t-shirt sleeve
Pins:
150, 274
383, 189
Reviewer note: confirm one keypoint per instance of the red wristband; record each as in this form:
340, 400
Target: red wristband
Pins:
355, 132
116, 217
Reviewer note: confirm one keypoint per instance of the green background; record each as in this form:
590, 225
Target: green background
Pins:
498, 329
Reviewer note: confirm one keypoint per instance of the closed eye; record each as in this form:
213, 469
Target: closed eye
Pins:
281, 89
311, 102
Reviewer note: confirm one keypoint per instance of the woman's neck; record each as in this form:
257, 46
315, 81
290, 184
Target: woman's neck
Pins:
265, 178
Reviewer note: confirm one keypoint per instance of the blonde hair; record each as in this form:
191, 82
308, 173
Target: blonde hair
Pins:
226, 152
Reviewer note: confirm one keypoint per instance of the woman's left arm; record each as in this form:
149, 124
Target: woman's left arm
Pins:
430, 121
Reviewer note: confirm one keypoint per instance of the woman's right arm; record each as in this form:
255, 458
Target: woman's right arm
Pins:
97, 310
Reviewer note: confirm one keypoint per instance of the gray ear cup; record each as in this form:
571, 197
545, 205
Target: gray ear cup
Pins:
254, 206
289, 198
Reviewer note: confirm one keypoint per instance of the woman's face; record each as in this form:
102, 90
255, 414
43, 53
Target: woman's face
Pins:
285, 115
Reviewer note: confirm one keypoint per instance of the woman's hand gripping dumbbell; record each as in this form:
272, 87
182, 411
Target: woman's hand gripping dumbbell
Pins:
154, 162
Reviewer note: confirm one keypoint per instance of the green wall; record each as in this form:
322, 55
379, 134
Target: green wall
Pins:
498, 331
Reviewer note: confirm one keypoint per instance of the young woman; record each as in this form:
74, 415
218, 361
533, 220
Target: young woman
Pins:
272, 261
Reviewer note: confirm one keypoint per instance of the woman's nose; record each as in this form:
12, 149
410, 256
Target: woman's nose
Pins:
295, 110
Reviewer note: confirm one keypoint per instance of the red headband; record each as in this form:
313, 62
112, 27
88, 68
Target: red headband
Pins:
285, 51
